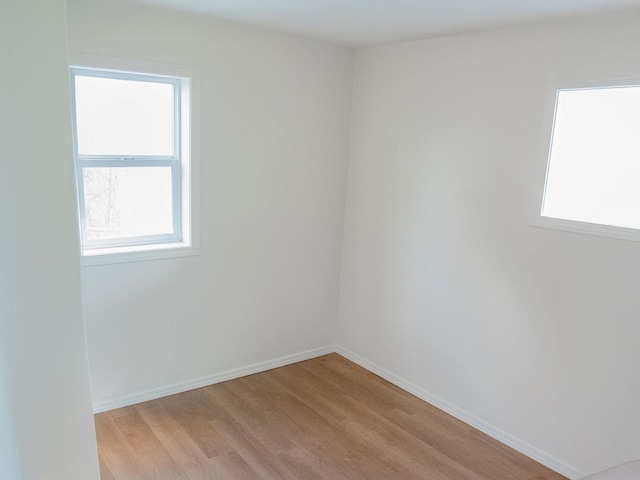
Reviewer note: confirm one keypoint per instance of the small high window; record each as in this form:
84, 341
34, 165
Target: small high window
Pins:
132, 148
593, 173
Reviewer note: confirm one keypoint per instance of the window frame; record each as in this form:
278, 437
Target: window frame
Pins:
561, 224
183, 240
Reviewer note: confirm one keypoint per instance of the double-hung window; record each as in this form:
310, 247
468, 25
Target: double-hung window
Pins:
132, 148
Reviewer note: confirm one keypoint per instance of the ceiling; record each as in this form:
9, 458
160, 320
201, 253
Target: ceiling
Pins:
360, 23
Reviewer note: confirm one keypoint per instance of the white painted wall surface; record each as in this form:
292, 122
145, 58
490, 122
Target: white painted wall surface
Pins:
46, 423
274, 129
9, 455
446, 285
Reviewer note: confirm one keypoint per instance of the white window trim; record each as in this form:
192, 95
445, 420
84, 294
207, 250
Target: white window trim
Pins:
190, 215
560, 224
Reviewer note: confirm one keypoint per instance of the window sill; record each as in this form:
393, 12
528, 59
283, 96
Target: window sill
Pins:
620, 233
106, 256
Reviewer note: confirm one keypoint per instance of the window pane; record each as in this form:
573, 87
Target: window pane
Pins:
594, 166
127, 202
123, 117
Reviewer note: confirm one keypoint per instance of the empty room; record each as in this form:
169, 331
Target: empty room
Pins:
304, 239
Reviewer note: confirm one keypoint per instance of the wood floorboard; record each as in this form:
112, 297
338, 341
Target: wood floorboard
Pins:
305, 450
362, 426
154, 457
181, 446
105, 473
322, 419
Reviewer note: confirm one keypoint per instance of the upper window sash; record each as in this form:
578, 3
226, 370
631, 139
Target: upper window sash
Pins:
176, 84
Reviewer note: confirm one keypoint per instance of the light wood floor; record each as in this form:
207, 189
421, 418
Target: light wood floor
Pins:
325, 418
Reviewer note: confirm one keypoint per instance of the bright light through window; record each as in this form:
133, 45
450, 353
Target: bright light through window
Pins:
123, 117
594, 165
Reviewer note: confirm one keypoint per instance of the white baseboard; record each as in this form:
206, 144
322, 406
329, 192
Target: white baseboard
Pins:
132, 399
494, 432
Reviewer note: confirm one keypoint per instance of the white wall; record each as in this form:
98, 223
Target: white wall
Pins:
46, 425
274, 128
446, 285
9, 455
